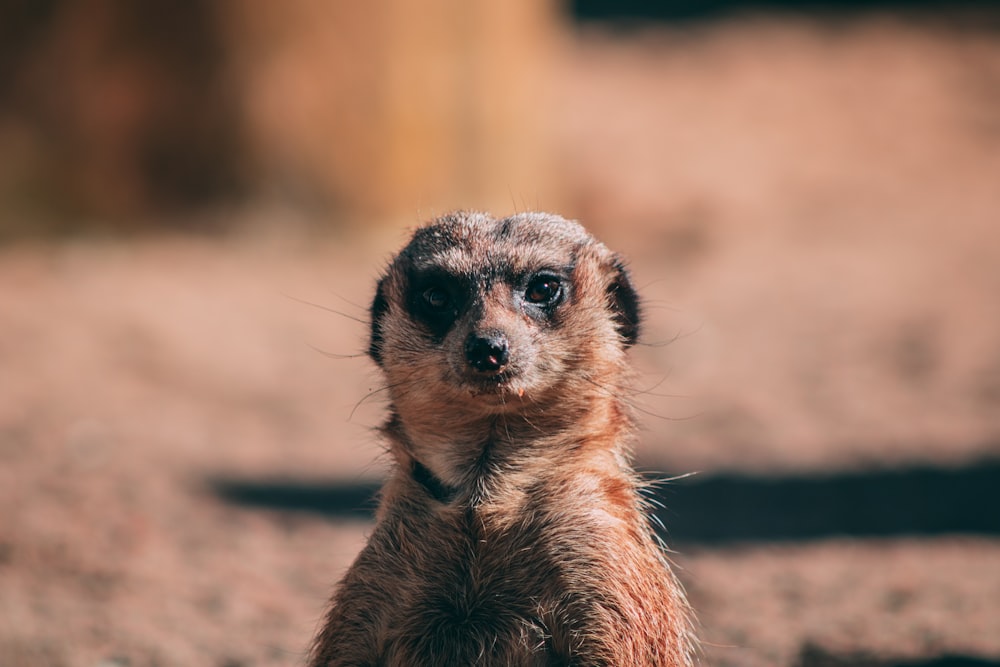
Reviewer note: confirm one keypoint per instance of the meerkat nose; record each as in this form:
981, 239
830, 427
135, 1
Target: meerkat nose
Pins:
488, 351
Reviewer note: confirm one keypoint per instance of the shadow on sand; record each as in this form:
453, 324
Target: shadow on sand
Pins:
722, 510
815, 657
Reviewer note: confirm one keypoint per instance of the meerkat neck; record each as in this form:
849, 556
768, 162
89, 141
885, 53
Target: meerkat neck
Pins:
460, 452
435, 488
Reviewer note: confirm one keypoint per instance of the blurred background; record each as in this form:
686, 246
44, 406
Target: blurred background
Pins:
196, 199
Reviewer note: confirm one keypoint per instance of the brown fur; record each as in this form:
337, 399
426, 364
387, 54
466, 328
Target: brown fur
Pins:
511, 531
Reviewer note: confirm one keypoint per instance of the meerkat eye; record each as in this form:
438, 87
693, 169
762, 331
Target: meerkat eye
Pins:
543, 290
437, 299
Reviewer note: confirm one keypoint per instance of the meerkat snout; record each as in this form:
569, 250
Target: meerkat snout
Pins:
488, 351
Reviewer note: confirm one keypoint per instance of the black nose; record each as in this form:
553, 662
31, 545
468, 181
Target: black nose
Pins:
487, 352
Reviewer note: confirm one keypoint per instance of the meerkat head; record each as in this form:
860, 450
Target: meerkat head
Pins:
482, 314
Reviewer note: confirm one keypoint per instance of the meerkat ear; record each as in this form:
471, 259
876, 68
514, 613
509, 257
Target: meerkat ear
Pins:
379, 307
624, 303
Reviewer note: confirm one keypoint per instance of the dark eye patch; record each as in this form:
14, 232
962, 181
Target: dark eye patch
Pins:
436, 299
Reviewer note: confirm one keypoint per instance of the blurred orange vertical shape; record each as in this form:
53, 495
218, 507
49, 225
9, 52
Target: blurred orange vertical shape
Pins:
515, 105
464, 103
401, 109
420, 96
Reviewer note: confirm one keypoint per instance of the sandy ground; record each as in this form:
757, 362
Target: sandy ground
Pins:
813, 221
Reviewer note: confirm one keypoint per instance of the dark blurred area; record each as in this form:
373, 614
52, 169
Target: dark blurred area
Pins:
113, 110
682, 10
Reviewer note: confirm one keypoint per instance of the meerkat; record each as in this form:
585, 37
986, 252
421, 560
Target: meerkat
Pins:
511, 530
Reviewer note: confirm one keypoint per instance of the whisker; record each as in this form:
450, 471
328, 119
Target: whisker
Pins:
527, 421
326, 308
377, 391
349, 302
644, 286
661, 304
635, 406
334, 355
676, 337
629, 389
649, 390
657, 480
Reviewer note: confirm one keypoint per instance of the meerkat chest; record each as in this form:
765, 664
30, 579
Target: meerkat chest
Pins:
475, 596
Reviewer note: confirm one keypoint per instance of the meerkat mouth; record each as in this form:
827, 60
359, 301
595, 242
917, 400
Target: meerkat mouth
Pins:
500, 387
